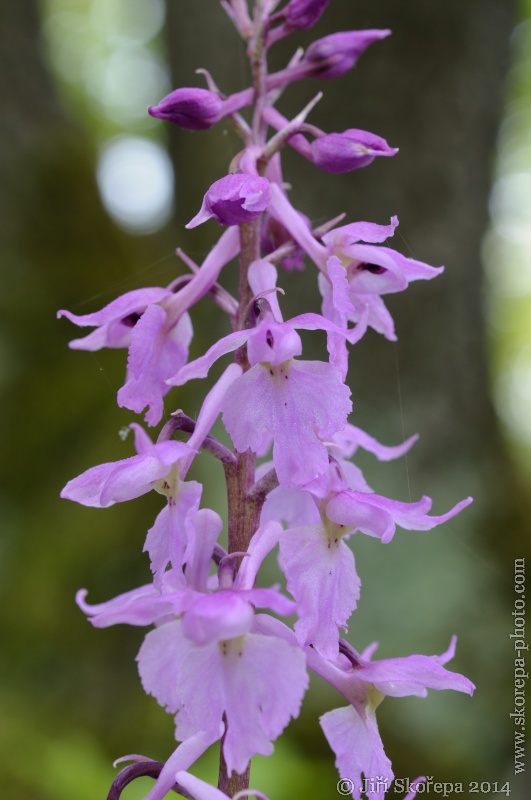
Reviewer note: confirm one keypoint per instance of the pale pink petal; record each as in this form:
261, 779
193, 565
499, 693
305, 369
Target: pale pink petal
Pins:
114, 335
351, 437
262, 542
411, 516
86, 488
122, 307
270, 598
128, 478
414, 675
144, 445
316, 322
354, 477
159, 663
204, 791
377, 516
210, 409
270, 626
449, 653
135, 476
380, 270
265, 446
370, 650
198, 788
262, 275
340, 289
313, 402
157, 542
201, 366
246, 409
140, 389
398, 677
292, 506
140, 606
168, 452
341, 237
336, 307
398, 269
181, 759
155, 353
225, 249
199, 710
330, 482
198, 555
282, 210
132, 478
112, 323
371, 271
265, 680
337, 335
369, 310
298, 403
321, 576
426, 523
256, 681
359, 749
167, 540
350, 509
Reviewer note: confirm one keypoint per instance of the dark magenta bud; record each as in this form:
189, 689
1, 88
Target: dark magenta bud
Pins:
195, 109
234, 200
302, 14
334, 55
347, 151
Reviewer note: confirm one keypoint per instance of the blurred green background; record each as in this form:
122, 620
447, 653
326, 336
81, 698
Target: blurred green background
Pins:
94, 195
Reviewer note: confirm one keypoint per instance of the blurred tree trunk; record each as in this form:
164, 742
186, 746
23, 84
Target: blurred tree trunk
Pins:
58, 250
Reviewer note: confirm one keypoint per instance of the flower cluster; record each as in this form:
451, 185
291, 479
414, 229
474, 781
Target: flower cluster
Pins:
220, 656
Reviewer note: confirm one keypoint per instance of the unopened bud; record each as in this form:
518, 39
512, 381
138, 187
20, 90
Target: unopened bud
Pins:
302, 14
344, 152
334, 55
234, 200
195, 109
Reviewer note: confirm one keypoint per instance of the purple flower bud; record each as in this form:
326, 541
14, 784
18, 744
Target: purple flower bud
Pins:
195, 109
336, 54
352, 149
234, 199
302, 14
